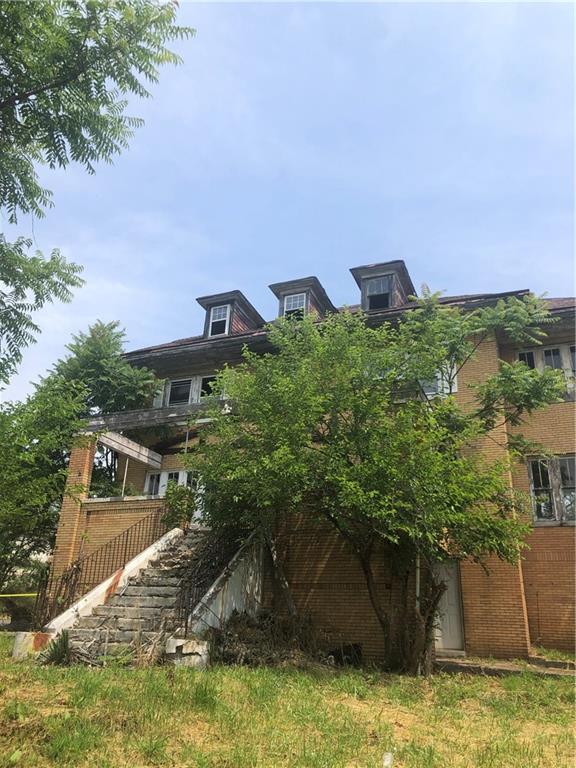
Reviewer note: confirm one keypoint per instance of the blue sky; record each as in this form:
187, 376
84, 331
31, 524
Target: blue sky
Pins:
303, 139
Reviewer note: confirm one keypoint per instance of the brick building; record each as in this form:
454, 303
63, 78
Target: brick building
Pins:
500, 611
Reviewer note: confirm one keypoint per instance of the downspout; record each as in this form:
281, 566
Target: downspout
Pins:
417, 605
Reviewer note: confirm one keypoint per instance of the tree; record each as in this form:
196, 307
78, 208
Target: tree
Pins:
336, 425
96, 360
67, 69
110, 384
36, 435
33, 470
27, 283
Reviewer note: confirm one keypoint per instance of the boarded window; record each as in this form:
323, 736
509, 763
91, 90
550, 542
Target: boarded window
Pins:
378, 292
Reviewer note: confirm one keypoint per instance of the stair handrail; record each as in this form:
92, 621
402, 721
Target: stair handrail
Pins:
55, 595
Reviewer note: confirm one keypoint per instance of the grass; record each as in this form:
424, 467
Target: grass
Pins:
234, 717
553, 655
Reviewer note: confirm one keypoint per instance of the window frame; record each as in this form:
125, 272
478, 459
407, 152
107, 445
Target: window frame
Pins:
211, 320
556, 487
184, 478
389, 276
293, 310
171, 383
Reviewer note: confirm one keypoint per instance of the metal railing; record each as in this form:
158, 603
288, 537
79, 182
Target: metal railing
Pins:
55, 595
208, 561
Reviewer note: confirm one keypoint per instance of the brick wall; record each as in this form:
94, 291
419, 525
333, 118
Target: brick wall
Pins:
328, 585
72, 520
549, 575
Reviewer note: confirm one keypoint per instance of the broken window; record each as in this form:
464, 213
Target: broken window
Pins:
378, 291
206, 383
219, 319
553, 489
295, 305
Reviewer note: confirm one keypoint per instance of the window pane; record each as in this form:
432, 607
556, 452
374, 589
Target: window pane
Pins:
552, 358
218, 327
573, 358
568, 470
528, 358
542, 494
540, 476
378, 285
569, 500
153, 484
543, 505
219, 313
173, 477
179, 392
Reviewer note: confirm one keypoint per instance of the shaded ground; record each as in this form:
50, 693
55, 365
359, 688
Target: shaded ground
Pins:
235, 717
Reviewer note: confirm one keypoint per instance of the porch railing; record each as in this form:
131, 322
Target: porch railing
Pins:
56, 595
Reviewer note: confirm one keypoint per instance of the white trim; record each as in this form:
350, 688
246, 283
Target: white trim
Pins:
211, 320
293, 296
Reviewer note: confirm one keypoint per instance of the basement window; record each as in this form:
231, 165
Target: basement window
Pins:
219, 320
553, 488
295, 305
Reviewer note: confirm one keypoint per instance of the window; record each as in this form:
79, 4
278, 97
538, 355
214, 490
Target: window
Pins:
180, 392
442, 385
561, 358
219, 319
206, 385
157, 482
553, 489
295, 305
378, 292
552, 358
528, 358
153, 485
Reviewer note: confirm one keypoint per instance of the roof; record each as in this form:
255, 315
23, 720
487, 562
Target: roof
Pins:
467, 301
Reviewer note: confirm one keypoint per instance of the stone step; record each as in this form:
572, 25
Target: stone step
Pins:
149, 590
101, 636
150, 624
153, 578
139, 601
131, 612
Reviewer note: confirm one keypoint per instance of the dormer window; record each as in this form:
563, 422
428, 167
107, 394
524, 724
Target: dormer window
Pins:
295, 305
378, 291
219, 320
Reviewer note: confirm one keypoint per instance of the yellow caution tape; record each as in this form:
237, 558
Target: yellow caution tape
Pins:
24, 594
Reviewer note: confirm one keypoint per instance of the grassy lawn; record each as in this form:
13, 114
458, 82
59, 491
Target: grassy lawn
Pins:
230, 717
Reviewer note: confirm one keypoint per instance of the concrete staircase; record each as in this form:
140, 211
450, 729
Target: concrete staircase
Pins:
146, 610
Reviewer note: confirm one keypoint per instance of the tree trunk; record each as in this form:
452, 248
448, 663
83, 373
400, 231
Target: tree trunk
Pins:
383, 618
280, 575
